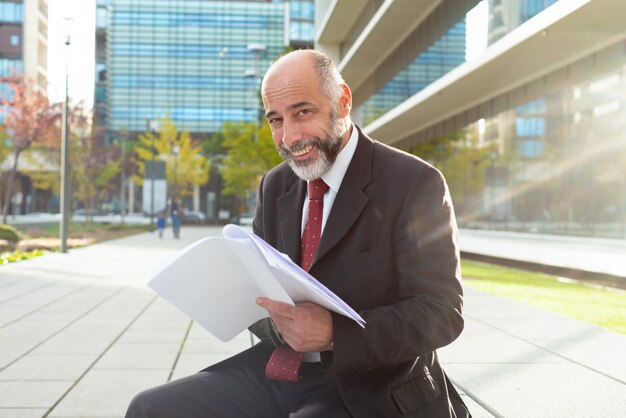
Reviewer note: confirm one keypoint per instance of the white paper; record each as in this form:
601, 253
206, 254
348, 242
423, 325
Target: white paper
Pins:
217, 280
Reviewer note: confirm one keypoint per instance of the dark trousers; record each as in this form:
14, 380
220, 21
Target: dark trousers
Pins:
237, 387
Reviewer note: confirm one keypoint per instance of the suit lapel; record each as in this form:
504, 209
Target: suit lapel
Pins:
351, 198
290, 218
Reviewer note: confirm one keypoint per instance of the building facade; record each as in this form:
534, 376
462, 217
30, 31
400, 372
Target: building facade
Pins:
530, 130
24, 41
24, 52
199, 61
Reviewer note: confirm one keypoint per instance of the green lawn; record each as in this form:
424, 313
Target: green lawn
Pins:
603, 307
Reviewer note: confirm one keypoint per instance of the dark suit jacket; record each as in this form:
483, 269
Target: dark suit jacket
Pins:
389, 249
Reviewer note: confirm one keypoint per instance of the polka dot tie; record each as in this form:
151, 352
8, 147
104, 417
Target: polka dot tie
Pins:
313, 228
285, 362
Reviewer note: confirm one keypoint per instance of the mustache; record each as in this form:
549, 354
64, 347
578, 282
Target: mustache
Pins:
286, 150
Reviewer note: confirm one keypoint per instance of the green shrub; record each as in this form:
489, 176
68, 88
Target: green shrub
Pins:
7, 258
9, 233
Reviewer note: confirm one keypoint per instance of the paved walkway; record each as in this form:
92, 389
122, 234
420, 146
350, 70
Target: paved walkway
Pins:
80, 334
597, 255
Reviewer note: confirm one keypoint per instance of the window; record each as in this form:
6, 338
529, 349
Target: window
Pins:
11, 12
15, 40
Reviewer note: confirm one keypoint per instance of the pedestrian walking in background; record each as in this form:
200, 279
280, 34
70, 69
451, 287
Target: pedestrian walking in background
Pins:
161, 223
175, 215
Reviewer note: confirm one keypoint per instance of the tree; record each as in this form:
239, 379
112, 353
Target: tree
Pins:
4, 153
95, 164
29, 119
185, 169
463, 160
248, 159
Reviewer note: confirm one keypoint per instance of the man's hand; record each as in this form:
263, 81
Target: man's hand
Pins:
305, 327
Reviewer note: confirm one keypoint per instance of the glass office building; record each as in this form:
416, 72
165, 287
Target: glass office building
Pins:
530, 132
443, 55
301, 23
199, 61
557, 163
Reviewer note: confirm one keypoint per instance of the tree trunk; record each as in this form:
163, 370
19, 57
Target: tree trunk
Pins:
9, 188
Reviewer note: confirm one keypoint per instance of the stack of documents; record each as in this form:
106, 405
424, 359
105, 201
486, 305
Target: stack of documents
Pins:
217, 280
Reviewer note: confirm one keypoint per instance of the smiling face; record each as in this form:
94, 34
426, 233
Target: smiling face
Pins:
308, 127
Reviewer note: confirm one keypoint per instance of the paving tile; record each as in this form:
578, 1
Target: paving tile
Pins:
29, 332
587, 352
21, 287
46, 293
156, 336
197, 332
38, 316
22, 412
11, 313
553, 328
214, 345
482, 306
475, 409
161, 320
48, 367
140, 356
475, 327
542, 390
82, 300
76, 340
20, 394
161, 305
192, 363
101, 320
107, 393
10, 351
498, 348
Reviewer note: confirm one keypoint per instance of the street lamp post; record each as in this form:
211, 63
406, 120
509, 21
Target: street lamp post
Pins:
175, 151
151, 128
64, 156
122, 174
257, 50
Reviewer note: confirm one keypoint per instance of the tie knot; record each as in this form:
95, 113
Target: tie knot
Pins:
317, 188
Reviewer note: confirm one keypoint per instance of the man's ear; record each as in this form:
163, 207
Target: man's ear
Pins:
345, 101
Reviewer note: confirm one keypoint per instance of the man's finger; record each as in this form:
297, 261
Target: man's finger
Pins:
276, 307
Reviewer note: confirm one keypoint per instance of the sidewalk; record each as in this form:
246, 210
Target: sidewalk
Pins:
596, 255
80, 334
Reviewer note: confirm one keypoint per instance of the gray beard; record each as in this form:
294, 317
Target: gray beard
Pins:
327, 151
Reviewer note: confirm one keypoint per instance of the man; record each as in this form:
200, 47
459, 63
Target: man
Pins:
388, 248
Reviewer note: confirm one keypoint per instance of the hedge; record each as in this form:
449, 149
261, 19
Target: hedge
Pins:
9, 233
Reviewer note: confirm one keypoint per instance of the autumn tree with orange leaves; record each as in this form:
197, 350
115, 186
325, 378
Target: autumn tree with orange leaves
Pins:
29, 119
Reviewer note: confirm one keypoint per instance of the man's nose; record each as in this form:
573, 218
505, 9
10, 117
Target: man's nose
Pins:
291, 134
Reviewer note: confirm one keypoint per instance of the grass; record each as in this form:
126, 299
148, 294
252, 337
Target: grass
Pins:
36, 242
603, 307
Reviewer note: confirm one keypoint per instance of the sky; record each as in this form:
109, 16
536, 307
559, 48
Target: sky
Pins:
476, 31
80, 54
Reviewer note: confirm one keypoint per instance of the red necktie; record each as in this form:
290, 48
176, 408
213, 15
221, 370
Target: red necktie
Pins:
285, 362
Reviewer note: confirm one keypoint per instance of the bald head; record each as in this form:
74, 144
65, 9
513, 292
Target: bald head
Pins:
307, 63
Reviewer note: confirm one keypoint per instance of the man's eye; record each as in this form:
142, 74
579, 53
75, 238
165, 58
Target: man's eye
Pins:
273, 121
304, 112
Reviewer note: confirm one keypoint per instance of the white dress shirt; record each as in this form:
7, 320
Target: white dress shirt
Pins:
333, 177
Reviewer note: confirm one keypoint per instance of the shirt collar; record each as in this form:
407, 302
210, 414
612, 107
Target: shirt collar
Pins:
334, 176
